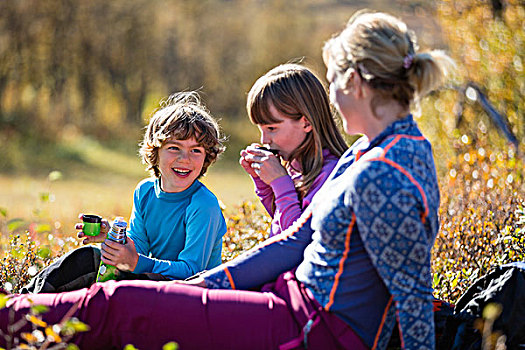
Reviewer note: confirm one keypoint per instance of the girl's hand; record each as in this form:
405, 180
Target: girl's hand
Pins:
122, 256
104, 229
247, 164
264, 164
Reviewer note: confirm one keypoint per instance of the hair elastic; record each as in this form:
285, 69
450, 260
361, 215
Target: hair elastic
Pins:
407, 61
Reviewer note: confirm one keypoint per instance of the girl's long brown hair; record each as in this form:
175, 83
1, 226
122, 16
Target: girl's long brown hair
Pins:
295, 91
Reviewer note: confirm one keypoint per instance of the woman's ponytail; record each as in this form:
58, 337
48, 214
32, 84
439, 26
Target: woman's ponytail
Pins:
427, 71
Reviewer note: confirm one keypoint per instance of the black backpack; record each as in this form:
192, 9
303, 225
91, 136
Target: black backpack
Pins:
504, 285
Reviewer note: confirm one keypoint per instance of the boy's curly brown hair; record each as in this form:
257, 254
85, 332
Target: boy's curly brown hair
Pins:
181, 116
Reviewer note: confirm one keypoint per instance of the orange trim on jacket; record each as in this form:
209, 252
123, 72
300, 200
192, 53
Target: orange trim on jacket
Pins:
230, 278
383, 319
341, 263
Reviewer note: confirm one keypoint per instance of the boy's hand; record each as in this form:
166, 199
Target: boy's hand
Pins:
197, 281
104, 229
123, 256
261, 163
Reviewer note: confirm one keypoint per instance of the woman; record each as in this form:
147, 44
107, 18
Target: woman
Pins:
357, 258
290, 107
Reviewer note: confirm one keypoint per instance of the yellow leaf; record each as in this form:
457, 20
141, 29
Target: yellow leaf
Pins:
3, 301
492, 311
170, 346
454, 282
130, 347
52, 336
35, 320
77, 326
28, 337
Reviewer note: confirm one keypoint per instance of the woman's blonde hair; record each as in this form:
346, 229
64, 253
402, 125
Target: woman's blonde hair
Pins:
296, 92
384, 53
181, 116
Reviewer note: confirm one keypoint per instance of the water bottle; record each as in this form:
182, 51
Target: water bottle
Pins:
117, 234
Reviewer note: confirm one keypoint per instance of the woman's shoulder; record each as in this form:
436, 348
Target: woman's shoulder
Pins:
411, 152
401, 163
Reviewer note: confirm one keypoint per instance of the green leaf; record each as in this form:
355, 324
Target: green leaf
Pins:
44, 196
39, 309
3, 212
44, 252
15, 224
72, 347
54, 175
436, 280
17, 253
43, 228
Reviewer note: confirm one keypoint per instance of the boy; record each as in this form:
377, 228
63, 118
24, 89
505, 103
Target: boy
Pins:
176, 225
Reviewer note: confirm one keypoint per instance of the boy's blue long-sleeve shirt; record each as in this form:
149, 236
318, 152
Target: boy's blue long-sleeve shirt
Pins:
176, 234
363, 245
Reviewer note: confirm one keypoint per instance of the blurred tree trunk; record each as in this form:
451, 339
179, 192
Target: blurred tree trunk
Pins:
17, 40
487, 41
62, 17
86, 78
128, 54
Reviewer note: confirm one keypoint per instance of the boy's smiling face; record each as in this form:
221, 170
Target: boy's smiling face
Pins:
180, 163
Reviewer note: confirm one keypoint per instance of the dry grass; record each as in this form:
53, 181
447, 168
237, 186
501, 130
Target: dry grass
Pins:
21, 196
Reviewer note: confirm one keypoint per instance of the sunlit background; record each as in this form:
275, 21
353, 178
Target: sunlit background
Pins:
79, 79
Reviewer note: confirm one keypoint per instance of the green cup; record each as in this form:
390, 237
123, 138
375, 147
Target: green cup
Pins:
91, 224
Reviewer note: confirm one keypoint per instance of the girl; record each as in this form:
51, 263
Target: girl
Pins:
358, 257
290, 107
